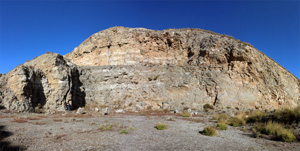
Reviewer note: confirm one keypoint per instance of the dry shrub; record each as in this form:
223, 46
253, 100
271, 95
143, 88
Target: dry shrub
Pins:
208, 107
276, 130
209, 131
185, 114
257, 116
238, 120
222, 126
161, 126
221, 118
287, 115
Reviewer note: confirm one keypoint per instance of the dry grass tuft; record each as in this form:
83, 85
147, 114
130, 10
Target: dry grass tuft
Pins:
161, 126
209, 131
221, 118
238, 120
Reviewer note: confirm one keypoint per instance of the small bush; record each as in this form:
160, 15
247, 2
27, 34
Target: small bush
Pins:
285, 135
221, 118
208, 107
238, 120
185, 114
123, 132
285, 115
222, 126
257, 116
209, 131
161, 126
106, 127
131, 129
276, 130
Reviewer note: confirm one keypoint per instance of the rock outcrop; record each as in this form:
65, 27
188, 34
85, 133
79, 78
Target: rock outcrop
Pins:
138, 69
48, 81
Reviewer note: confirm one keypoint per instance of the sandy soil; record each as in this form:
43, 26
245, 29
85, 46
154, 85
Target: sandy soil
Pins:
71, 132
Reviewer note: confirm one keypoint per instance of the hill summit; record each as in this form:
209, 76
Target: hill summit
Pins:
135, 69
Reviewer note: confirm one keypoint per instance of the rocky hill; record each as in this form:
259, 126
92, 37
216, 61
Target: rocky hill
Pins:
135, 69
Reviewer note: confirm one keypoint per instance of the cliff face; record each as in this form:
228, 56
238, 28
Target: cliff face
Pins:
47, 81
137, 69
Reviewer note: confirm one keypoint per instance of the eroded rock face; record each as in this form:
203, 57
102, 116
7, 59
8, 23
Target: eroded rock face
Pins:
138, 69
48, 81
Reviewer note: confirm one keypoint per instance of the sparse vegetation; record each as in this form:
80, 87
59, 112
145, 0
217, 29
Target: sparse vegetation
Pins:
106, 127
123, 132
185, 114
210, 131
238, 120
222, 126
278, 131
221, 118
257, 116
131, 129
161, 126
287, 115
208, 107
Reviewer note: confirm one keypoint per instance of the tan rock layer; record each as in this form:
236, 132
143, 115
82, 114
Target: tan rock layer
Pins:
137, 69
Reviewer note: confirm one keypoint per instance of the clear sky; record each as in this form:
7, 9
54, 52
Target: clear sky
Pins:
30, 28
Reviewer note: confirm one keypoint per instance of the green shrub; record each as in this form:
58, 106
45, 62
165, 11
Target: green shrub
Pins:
161, 126
221, 118
271, 128
106, 127
276, 130
222, 126
285, 115
257, 116
208, 107
238, 120
123, 132
185, 114
297, 113
209, 131
285, 135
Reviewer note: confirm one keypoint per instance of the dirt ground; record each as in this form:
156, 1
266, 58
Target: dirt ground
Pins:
71, 132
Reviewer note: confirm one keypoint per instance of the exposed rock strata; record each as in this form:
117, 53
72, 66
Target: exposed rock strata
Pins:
137, 69
49, 81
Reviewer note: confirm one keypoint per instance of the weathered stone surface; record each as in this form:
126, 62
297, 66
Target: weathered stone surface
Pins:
48, 81
138, 69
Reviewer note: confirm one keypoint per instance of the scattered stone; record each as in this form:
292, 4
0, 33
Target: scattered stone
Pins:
106, 111
297, 133
120, 111
80, 111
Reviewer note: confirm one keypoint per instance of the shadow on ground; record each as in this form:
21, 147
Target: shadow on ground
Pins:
6, 146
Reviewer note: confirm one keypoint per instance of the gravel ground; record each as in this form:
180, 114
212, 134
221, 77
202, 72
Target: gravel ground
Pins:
70, 132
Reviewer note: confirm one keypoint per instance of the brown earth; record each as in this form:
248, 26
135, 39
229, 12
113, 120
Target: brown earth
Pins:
71, 132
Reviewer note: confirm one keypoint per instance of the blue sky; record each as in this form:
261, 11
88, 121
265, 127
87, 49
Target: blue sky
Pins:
31, 28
